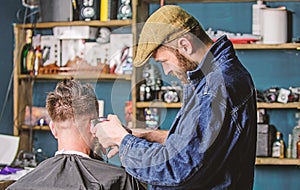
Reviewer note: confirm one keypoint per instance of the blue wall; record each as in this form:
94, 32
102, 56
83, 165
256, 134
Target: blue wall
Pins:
269, 68
7, 17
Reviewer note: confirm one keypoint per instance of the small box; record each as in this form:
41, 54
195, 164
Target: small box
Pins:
75, 32
96, 53
51, 50
265, 139
121, 52
71, 49
56, 11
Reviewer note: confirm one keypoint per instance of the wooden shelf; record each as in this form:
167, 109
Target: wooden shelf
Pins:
93, 76
293, 105
277, 161
36, 128
292, 46
96, 23
158, 105
213, 1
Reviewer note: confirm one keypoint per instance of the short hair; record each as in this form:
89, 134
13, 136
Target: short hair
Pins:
201, 34
71, 100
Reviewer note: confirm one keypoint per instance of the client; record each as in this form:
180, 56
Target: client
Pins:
71, 107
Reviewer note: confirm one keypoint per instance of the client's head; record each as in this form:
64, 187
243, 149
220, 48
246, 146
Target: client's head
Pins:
71, 106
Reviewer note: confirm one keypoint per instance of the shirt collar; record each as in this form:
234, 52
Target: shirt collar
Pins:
59, 152
210, 61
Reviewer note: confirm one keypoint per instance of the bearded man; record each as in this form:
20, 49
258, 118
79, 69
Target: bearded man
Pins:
212, 141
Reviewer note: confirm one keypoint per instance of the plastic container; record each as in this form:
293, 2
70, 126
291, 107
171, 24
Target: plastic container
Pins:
257, 19
275, 25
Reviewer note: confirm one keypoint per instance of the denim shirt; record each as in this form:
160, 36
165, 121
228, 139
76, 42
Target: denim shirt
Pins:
212, 141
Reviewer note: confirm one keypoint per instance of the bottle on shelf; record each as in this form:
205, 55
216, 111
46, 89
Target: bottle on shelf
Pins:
289, 147
298, 147
25, 50
296, 133
38, 55
257, 18
30, 58
278, 146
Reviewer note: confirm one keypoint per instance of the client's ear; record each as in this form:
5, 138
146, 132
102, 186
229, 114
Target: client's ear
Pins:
52, 128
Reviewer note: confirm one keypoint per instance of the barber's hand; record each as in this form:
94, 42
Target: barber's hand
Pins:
110, 134
112, 152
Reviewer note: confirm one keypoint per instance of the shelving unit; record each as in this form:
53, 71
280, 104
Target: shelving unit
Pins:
293, 105
23, 84
139, 106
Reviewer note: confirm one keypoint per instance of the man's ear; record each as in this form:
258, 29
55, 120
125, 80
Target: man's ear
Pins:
184, 46
52, 128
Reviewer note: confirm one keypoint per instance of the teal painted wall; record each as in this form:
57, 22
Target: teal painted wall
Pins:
7, 17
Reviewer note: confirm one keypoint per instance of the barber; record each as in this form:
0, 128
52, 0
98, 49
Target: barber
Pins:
212, 141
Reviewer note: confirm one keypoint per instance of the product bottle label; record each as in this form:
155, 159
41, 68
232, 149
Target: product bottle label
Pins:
276, 152
30, 61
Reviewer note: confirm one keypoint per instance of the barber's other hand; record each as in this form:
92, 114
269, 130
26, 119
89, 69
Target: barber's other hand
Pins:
110, 133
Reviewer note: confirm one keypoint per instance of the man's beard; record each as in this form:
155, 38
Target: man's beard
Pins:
185, 65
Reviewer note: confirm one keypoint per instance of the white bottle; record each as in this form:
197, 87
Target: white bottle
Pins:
296, 133
278, 146
289, 147
257, 14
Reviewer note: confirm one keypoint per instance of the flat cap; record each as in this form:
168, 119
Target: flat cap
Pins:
164, 25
